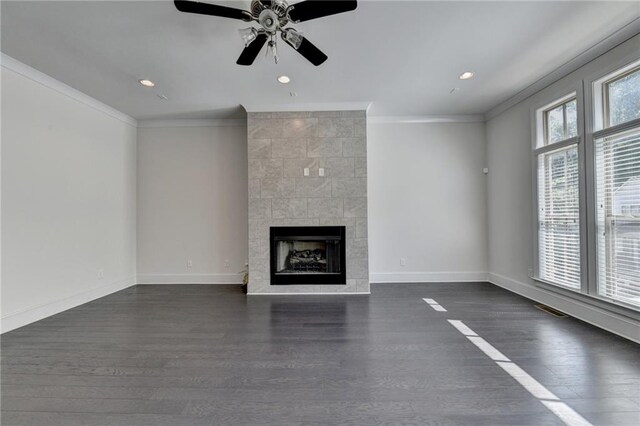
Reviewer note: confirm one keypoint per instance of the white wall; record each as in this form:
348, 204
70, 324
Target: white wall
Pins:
192, 204
427, 201
511, 228
68, 197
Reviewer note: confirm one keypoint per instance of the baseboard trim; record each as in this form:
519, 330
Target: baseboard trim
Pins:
339, 293
427, 277
189, 279
606, 320
36, 313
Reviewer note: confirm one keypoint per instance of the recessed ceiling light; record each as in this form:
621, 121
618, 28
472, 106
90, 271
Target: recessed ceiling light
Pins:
146, 83
284, 79
466, 75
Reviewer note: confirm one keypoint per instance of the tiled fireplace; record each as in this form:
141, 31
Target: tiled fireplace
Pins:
308, 202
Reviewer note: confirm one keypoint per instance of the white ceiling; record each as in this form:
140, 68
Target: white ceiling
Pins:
403, 56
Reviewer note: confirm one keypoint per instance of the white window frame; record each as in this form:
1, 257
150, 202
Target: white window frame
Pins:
589, 95
598, 115
596, 128
538, 147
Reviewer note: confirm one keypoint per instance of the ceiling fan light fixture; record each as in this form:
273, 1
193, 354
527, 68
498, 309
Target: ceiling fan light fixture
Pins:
146, 82
466, 75
284, 79
293, 38
248, 35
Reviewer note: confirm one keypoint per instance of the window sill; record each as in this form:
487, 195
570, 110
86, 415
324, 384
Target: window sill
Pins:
609, 305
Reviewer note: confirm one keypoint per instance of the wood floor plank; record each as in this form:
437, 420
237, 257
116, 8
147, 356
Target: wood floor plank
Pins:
209, 355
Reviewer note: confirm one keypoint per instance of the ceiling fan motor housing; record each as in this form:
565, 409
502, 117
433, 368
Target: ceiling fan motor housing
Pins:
280, 7
271, 14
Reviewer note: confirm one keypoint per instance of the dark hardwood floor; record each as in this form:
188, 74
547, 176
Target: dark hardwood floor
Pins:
208, 355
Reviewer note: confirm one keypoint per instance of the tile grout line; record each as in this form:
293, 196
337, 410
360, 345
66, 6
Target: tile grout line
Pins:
563, 411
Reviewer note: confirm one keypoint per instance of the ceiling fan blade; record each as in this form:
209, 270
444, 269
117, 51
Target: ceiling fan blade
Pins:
211, 9
250, 52
312, 9
311, 52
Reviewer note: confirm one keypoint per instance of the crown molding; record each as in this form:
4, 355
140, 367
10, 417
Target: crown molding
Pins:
33, 74
205, 122
333, 106
415, 119
620, 36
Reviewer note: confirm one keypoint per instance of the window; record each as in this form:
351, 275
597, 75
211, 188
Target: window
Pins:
588, 189
558, 219
561, 122
558, 194
617, 187
622, 103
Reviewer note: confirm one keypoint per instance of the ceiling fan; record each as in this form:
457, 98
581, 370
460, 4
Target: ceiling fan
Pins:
273, 16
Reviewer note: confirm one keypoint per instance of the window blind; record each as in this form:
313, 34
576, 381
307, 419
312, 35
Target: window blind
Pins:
558, 217
618, 216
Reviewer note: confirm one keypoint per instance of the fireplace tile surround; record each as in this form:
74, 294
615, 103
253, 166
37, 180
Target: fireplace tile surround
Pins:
280, 146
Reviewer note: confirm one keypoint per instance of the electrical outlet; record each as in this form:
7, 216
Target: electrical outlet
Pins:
403, 261
100, 274
189, 263
227, 264
306, 171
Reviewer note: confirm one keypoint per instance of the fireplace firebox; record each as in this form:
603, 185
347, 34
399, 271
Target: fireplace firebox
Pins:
308, 255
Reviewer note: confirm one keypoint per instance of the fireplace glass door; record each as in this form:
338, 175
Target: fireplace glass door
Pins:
308, 255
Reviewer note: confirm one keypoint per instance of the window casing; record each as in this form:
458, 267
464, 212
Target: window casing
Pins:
587, 189
557, 162
558, 217
616, 174
621, 98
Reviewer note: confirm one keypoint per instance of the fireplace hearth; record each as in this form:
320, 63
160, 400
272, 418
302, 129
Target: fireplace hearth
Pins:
307, 255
